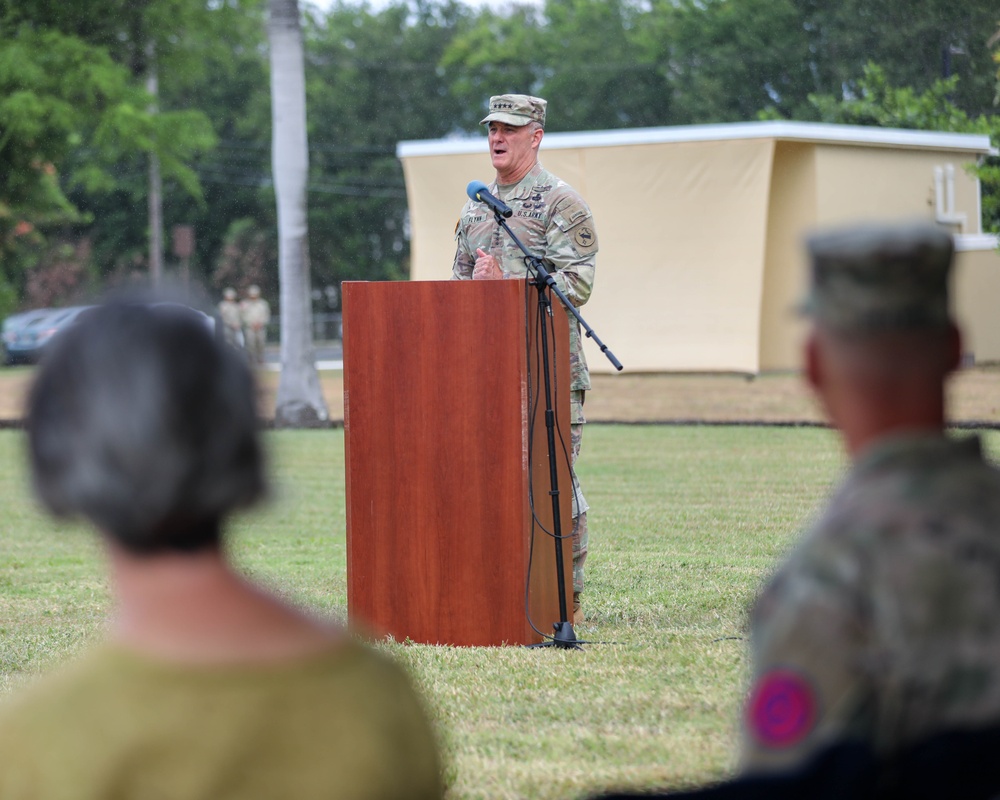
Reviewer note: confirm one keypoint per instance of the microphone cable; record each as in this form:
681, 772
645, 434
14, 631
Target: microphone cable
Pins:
535, 367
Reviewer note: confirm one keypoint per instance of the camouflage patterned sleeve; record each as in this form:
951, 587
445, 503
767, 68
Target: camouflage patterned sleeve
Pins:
461, 268
571, 248
809, 637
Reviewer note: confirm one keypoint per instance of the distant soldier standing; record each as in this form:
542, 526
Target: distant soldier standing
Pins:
554, 223
256, 313
232, 319
883, 627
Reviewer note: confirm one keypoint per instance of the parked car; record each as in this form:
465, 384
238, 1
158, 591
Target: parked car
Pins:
207, 319
29, 341
14, 323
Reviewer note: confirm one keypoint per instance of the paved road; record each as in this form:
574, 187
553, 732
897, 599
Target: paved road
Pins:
329, 355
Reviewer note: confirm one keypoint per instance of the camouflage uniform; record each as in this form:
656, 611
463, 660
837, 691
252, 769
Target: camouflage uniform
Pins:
552, 221
883, 626
256, 313
232, 322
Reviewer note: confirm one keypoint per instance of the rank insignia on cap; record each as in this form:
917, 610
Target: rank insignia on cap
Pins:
515, 109
782, 709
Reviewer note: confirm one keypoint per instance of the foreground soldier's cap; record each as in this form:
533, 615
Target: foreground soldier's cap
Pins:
868, 278
516, 109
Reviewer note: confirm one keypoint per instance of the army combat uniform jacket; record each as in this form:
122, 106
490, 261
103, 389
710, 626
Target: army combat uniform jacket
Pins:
883, 627
554, 223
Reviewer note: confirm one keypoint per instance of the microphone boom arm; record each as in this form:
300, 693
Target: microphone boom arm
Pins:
543, 276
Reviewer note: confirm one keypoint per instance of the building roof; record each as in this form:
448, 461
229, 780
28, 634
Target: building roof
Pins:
814, 132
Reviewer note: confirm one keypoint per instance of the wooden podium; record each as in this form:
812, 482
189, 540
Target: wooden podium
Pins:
443, 399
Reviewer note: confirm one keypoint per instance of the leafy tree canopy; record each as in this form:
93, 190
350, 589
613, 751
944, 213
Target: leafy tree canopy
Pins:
76, 127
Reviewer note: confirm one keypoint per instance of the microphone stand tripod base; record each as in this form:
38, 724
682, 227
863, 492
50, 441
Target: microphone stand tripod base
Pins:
565, 638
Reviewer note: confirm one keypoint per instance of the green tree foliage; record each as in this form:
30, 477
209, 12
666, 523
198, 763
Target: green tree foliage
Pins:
995, 44
72, 118
591, 59
598, 70
230, 86
373, 79
208, 62
75, 130
877, 102
181, 31
57, 95
916, 42
499, 52
725, 60
77, 51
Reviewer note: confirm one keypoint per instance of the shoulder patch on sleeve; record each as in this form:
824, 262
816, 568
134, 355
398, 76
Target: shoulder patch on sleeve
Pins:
577, 224
782, 709
585, 237
570, 212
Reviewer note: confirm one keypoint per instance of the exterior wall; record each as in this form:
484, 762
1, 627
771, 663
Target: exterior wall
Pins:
682, 240
701, 261
816, 185
435, 193
681, 228
881, 183
792, 210
976, 297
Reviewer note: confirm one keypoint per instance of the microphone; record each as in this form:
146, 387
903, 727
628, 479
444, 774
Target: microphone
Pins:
477, 191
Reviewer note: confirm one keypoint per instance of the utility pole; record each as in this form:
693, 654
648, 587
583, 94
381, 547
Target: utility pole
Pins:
183, 241
155, 181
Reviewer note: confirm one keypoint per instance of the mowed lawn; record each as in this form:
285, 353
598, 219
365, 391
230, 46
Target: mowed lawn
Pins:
686, 522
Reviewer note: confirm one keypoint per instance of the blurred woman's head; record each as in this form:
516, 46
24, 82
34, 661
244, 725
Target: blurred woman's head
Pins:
143, 422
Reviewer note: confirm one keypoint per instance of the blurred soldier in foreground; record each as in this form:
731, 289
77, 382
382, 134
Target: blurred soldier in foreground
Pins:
143, 424
232, 319
883, 627
554, 222
876, 646
256, 313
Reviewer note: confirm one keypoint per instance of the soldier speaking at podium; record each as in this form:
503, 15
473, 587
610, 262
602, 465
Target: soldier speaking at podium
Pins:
554, 222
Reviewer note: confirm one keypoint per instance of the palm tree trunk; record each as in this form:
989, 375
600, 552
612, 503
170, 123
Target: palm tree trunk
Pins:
300, 402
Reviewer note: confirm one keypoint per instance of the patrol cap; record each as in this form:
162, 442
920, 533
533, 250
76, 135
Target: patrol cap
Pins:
875, 277
516, 109
254, 290
229, 293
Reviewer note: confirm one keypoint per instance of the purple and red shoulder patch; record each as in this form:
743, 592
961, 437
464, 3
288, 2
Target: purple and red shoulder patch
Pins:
782, 709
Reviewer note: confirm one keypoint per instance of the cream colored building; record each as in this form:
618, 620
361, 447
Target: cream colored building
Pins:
701, 261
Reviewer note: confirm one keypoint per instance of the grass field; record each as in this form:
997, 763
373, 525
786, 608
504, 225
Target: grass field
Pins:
686, 522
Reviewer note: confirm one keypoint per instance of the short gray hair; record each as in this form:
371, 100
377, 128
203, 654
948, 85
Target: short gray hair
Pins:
144, 423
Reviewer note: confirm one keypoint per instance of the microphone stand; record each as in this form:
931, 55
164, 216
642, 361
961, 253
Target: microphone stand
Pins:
564, 636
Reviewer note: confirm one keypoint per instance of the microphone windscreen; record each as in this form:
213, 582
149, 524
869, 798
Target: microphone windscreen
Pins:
474, 188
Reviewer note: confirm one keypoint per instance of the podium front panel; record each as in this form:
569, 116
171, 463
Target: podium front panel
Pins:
437, 394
